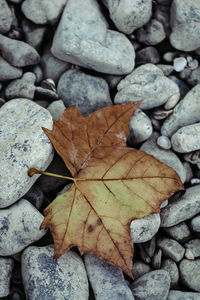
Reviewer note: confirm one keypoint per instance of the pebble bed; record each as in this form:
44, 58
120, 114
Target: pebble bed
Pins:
54, 54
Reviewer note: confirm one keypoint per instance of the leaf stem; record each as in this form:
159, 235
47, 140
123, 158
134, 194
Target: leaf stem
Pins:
33, 171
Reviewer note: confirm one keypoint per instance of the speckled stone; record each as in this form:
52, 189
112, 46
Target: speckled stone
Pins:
5, 17
147, 55
24, 145
140, 268
152, 33
6, 266
180, 295
194, 247
56, 108
171, 248
179, 232
34, 34
107, 281
8, 72
47, 278
85, 40
190, 273
170, 266
195, 224
19, 227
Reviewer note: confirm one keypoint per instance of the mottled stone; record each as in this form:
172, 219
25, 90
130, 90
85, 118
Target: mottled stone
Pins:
195, 224
194, 77
8, 72
56, 108
179, 232
5, 17
146, 83
147, 55
34, 34
194, 247
24, 145
152, 33
6, 266
170, 266
107, 281
140, 127
47, 278
179, 64
171, 248
180, 295
167, 69
20, 226
183, 87
85, 40
190, 273
140, 268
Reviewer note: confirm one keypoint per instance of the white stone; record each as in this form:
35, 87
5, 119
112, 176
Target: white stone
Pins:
56, 108
179, 64
172, 102
163, 142
24, 145
140, 127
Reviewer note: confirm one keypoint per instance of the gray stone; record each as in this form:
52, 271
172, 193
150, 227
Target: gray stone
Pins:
142, 230
85, 40
140, 127
146, 83
186, 139
185, 25
43, 103
171, 248
140, 268
48, 278
179, 232
43, 93
147, 55
43, 12
34, 34
190, 273
23, 145
195, 224
35, 196
20, 226
180, 295
170, 266
194, 77
185, 113
150, 246
162, 15
165, 2
181, 209
163, 142
129, 15
25, 55
183, 87
21, 88
192, 157
89, 93
153, 285
179, 64
56, 109
189, 172
152, 33
156, 259
6, 266
113, 80
172, 102
8, 72
167, 69
107, 281
194, 247
37, 70
5, 17
168, 157
143, 253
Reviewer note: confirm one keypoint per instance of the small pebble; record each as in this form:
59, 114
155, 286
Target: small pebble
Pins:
170, 266
156, 259
172, 102
180, 232
195, 224
179, 64
160, 114
193, 64
164, 142
140, 268
194, 247
194, 181
171, 248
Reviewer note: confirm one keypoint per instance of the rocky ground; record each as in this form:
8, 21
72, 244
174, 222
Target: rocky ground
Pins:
54, 54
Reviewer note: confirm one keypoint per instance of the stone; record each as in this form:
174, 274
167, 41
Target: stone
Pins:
194, 247
168, 157
8, 72
140, 128
107, 281
43, 12
169, 56
129, 15
150, 246
113, 80
5, 17
161, 114
47, 278
172, 102
43, 103
20, 226
37, 70
180, 232
194, 77
171, 248
34, 34
185, 113
189, 172
142, 230
22, 88
192, 157
156, 259
182, 208
152, 33
56, 109
46, 94
185, 24
94, 47
170, 266
195, 224
24, 56
146, 83
35, 196
164, 142
162, 14
23, 145
183, 87
6, 266
167, 69
153, 285
147, 55
180, 295
89, 93
140, 268
179, 64
190, 273
165, 2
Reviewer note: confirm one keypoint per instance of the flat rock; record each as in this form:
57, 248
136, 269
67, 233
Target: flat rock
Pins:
20, 226
153, 285
170, 266
179, 232
6, 266
146, 83
43, 12
48, 278
85, 40
152, 33
5, 17
129, 15
89, 93
8, 72
190, 273
24, 56
23, 145
171, 248
180, 295
107, 281
181, 209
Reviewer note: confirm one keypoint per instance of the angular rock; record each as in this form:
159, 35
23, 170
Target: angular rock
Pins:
180, 295
152, 286
85, 40
170, 266
171, 248
194, 247
6, 266
20, 226
48, 278
152, 33
22, 88
89, 93
5, 17
185, 113
190, 273
140, 268
24, 145
8, 72
43, 12
24, 56
181, 209
147, 55
56, 108
146, 83
34, 34
179, 232
195, 224
129, 15
107, 281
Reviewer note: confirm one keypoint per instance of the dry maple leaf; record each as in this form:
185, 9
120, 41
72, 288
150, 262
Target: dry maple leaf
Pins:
112, 185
